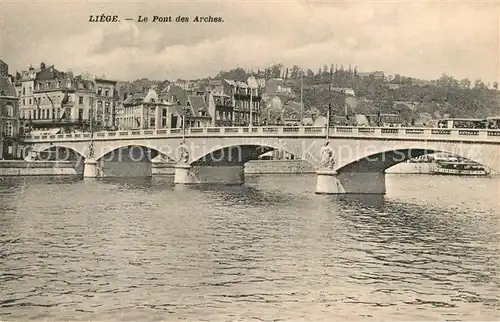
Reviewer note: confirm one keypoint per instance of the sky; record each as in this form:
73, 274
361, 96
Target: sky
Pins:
413, 38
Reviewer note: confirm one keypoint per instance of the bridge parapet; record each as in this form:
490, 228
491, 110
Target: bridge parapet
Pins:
281, 131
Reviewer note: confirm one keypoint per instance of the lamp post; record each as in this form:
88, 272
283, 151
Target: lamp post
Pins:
184, 110
251, 108
301, 97
91, 145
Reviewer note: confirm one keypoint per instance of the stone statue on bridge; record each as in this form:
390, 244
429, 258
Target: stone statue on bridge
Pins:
327, 160
183, 154
91, 151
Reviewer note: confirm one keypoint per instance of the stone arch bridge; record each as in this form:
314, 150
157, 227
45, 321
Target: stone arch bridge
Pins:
218, 155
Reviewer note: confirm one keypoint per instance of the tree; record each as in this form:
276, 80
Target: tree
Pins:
276, 70
465, 83
295, 72
238, 74
495, 85
478, 84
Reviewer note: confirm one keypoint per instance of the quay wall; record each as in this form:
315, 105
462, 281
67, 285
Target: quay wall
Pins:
12, 168
294, 167
278, 166
251, 167
162, 168
410, 168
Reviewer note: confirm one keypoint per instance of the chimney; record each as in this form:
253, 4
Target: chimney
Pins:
42, 65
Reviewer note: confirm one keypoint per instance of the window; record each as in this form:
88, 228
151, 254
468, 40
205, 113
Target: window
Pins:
10, 110
152, 122
99, 91
106, 108
24, 90
30, 101
80, 100
106, 92
164, 112
9, 129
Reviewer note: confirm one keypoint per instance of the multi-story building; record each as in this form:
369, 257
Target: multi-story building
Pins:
193, 104
148, 111
106, 100
246, 97
9, 115
220, 106
54, 101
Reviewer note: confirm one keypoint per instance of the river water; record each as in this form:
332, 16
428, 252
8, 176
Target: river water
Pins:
145, 249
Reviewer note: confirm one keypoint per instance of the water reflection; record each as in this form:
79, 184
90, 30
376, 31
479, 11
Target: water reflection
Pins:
144, 249
368, 200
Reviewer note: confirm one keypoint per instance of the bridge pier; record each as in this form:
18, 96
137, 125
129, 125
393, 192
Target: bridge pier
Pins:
327, 183
331, 183
227, 175
90, 169
363, 182
182, 174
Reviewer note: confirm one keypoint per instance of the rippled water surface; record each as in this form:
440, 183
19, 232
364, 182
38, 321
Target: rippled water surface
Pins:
148, 250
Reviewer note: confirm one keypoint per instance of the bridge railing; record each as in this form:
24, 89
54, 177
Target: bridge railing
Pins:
292, 131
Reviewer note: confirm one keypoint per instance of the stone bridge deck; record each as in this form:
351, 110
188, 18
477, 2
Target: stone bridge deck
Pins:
477, 135
361, 153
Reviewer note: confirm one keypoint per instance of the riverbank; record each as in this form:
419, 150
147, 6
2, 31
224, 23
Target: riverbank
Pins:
13, 168
64, 168
251, 167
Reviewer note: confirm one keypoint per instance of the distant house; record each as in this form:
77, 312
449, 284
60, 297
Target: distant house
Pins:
345, 90
393, 86
198, 115
375, 75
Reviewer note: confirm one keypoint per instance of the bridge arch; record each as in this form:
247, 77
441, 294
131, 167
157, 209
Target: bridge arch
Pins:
54, 152
239, 154
364, 172
132, 152
388, 157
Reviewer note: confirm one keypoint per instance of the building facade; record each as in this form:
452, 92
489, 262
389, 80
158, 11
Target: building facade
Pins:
246, 98
54, 101
9, 116
148, 111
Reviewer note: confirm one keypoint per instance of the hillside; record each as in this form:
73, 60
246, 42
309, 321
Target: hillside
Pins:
388, 94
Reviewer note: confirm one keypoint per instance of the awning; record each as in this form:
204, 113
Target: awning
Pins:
46, 132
